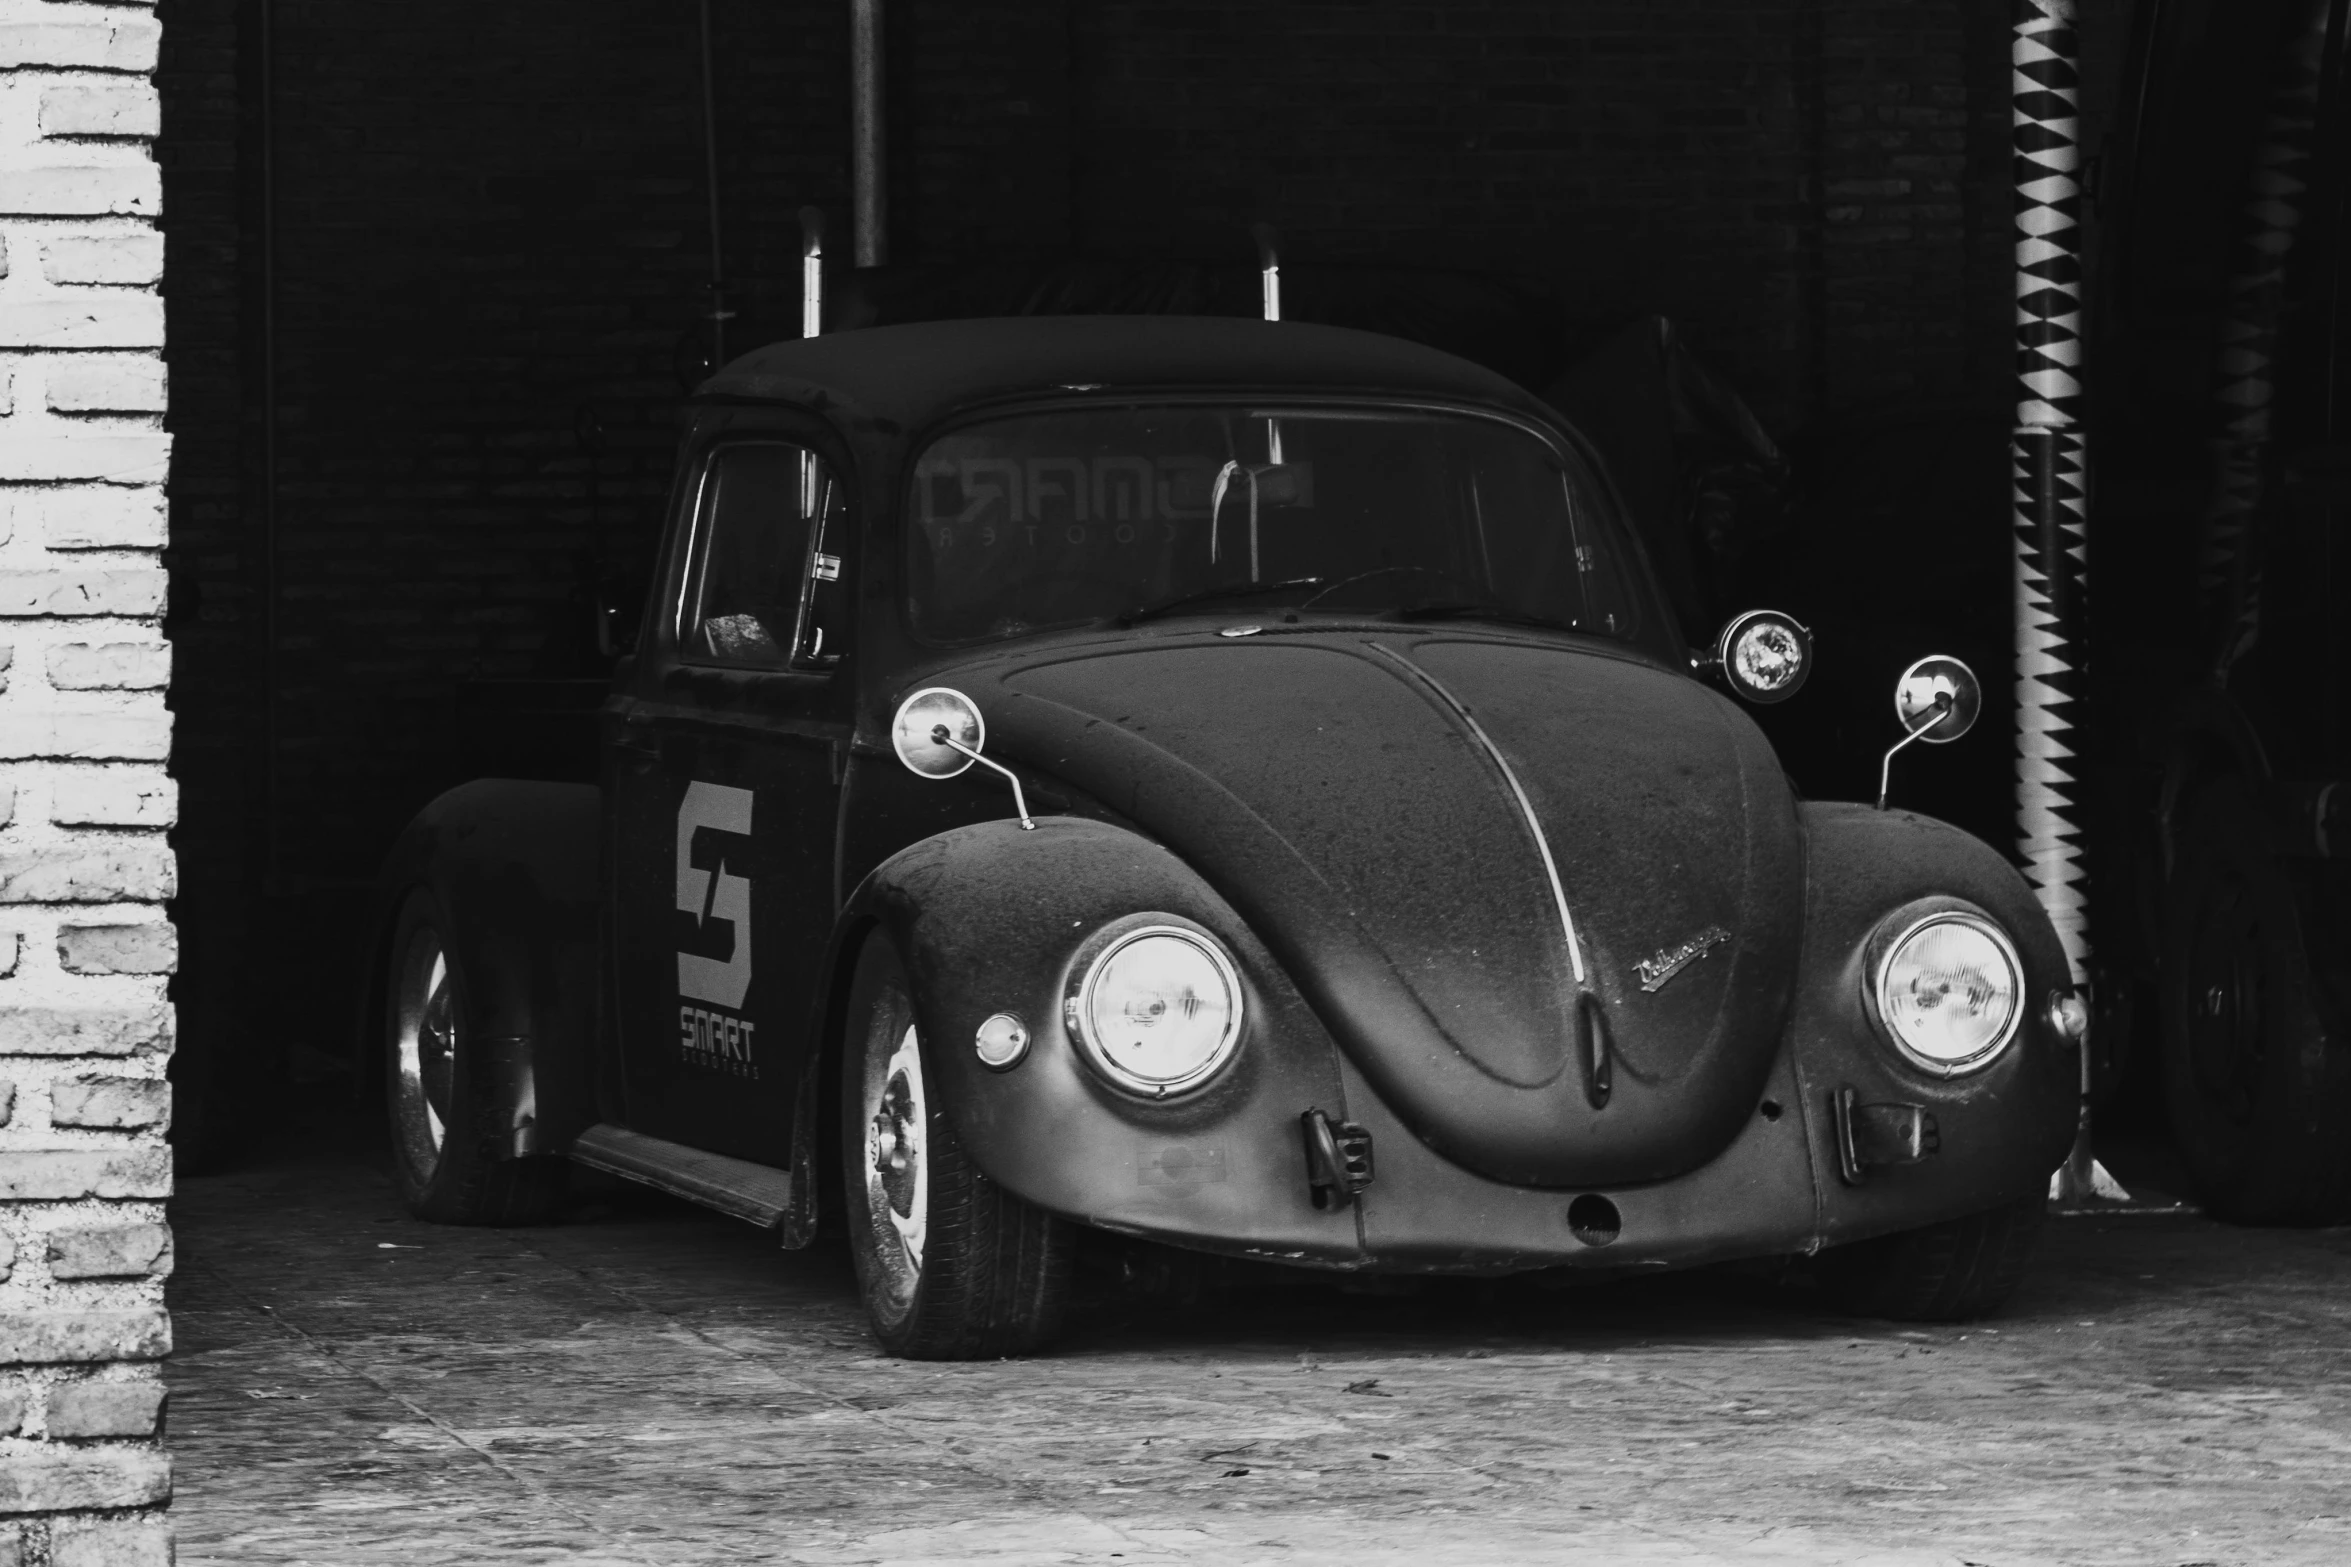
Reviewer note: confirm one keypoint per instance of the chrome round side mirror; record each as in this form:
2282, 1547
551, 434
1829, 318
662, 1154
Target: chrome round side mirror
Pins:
1764, 655
926, 721
1938, 681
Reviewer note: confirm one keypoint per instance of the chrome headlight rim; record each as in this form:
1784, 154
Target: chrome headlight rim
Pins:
1094, 957
1888, 940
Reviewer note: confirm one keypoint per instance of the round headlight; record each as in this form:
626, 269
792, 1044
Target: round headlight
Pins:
1950, 991
1159, 1010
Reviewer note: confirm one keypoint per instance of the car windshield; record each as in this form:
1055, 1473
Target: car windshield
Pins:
1064, 518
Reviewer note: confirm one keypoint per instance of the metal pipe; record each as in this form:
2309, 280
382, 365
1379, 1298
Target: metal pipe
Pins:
272, 801
811, 271
2051, 491
718, 309
868, 138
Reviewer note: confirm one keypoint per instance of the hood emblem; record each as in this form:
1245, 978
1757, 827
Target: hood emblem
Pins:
1654, 972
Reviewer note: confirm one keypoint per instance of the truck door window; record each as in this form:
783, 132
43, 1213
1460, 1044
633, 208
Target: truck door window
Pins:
762, 589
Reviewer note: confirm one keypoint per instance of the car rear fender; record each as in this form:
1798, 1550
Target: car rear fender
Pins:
990, 918
511, 869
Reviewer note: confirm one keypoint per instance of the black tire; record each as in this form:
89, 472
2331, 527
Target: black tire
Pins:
1948, 1272
440, 1159
952, 1266
2258, 1096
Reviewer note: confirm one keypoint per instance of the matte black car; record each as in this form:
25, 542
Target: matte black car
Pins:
1227, 783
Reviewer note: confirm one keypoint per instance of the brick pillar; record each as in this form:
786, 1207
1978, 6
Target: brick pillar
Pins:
85, 946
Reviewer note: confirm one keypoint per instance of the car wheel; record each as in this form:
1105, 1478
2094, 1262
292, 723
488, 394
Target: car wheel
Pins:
2259, 1098
444, 1173
952, 1266
1944, 1272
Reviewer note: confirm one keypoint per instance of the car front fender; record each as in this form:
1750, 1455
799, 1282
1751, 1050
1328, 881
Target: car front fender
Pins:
2001, 1129
990, 918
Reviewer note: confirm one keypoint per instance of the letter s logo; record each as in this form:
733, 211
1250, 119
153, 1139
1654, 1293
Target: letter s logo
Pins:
719, 897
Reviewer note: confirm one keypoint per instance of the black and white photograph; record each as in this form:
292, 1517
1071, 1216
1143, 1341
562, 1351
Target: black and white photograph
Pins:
1329, 783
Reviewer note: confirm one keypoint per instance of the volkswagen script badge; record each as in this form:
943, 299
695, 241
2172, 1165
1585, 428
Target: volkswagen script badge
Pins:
1654, 972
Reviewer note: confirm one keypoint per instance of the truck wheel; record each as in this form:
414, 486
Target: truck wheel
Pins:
444, 1173
1944, 1272
2259, 1097
952, 1266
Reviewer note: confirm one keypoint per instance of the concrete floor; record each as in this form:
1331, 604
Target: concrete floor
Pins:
648, 1384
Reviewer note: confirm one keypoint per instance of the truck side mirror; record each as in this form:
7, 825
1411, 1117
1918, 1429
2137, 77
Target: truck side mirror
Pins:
1937, 699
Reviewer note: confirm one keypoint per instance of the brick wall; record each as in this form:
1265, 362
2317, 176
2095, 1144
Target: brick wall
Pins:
85, 1026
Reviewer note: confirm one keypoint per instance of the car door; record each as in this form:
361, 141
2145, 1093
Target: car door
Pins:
728, 748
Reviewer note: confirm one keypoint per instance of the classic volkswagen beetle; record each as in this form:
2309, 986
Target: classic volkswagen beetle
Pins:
1228, 783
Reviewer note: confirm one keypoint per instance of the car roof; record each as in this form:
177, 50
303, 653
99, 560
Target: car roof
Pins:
908, 376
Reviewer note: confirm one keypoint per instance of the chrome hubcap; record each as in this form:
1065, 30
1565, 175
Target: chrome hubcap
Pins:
897, 1175
424, 1043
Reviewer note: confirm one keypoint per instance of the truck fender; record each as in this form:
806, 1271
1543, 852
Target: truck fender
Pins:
512, 870
991, 918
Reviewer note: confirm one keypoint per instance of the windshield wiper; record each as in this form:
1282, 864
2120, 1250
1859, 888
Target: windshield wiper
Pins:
1203, 595
1482, 609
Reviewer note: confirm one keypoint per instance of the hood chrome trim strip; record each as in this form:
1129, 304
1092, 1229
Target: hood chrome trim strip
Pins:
1575, 950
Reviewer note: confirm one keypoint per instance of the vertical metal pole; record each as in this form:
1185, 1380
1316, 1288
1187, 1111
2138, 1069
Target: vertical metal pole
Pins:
2052, 516
718, 297
272, 788
868, 139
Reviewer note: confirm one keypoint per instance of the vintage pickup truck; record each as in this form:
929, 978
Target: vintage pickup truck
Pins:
1229, 783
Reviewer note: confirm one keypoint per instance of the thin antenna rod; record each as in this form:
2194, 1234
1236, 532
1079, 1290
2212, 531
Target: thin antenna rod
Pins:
811, 271
1269, 266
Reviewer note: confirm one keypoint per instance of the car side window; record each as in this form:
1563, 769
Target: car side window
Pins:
761, 590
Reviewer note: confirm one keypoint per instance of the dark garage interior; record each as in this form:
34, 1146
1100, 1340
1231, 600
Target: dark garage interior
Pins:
441, 277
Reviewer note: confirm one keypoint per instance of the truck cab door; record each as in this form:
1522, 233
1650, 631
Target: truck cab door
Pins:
726, 752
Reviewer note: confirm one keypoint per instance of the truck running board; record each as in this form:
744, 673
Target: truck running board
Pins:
759, 1193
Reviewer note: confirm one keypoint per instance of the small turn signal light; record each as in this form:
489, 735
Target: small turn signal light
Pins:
1003, 1040
2069, 1014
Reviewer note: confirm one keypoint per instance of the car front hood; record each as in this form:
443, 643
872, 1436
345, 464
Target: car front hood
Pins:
1358, 798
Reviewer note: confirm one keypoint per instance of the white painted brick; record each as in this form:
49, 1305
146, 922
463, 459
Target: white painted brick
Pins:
97, 870
96, 318
90, 190
114, 797
83, 1031
105, 383
108, 459
121, 592
133, 736
100, 107
11, 948
86, 36
115, 1104
120, 1540
133, 256
88, 516
7, 803
7, 659
152, 948
83, 666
